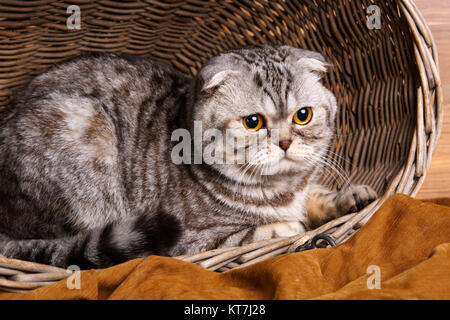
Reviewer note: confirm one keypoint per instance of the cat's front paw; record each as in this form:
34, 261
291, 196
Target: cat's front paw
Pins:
278, 230
355, 198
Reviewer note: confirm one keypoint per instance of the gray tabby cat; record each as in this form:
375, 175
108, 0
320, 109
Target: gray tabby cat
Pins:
87, 178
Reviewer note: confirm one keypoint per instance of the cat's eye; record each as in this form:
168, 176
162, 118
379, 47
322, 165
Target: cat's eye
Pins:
303, 116
253, 122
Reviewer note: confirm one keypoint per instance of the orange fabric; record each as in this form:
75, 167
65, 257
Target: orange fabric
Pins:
409, 240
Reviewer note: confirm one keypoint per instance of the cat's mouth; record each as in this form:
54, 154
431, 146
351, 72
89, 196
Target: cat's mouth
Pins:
285, 160
284, 164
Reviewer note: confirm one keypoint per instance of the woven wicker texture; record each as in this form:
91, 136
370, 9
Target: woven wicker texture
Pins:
386, 80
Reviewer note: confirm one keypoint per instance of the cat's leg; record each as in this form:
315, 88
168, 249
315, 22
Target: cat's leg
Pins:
324, 205
264, 232
277, 230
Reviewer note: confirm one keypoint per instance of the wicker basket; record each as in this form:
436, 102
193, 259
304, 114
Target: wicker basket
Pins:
386, 81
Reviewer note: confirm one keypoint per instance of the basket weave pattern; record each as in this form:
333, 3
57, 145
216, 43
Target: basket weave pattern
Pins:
386, 82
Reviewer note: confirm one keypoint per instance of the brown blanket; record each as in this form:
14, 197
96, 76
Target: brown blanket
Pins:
406, 243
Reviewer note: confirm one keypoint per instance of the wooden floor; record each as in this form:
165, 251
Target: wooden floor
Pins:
437, 182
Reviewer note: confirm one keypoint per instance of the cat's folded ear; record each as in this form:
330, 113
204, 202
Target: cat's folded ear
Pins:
217, 79
309, 61
217, 70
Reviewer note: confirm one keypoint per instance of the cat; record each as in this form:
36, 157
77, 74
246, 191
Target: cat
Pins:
87, 175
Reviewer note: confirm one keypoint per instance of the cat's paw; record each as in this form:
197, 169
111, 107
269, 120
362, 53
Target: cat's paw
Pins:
355, 198
277, 230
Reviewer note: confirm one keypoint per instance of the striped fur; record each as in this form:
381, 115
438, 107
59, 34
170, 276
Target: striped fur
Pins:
85, 156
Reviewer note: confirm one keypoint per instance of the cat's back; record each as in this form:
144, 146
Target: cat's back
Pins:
116, 84
108, 78
77, 135
99, 97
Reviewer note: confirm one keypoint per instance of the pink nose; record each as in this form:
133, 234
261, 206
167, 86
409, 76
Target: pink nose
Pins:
284, 144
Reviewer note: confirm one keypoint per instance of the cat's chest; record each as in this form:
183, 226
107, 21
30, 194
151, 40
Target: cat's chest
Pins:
260, 203
271, 207
290, 207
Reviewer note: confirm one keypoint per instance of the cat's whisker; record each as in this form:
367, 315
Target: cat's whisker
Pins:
332, 160
257, 169
340, 157
334, 163
335, 171
241, 180
327, 166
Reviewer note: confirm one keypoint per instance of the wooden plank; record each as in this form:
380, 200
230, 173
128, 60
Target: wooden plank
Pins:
437, 181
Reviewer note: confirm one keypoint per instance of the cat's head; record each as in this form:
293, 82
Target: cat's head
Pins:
265, 112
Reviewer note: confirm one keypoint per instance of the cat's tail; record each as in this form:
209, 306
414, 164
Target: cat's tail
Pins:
115, 243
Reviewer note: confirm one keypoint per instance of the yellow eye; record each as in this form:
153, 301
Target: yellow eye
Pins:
303, 116
253, 122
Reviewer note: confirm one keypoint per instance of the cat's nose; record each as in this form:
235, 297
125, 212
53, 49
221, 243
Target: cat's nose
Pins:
284, 144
